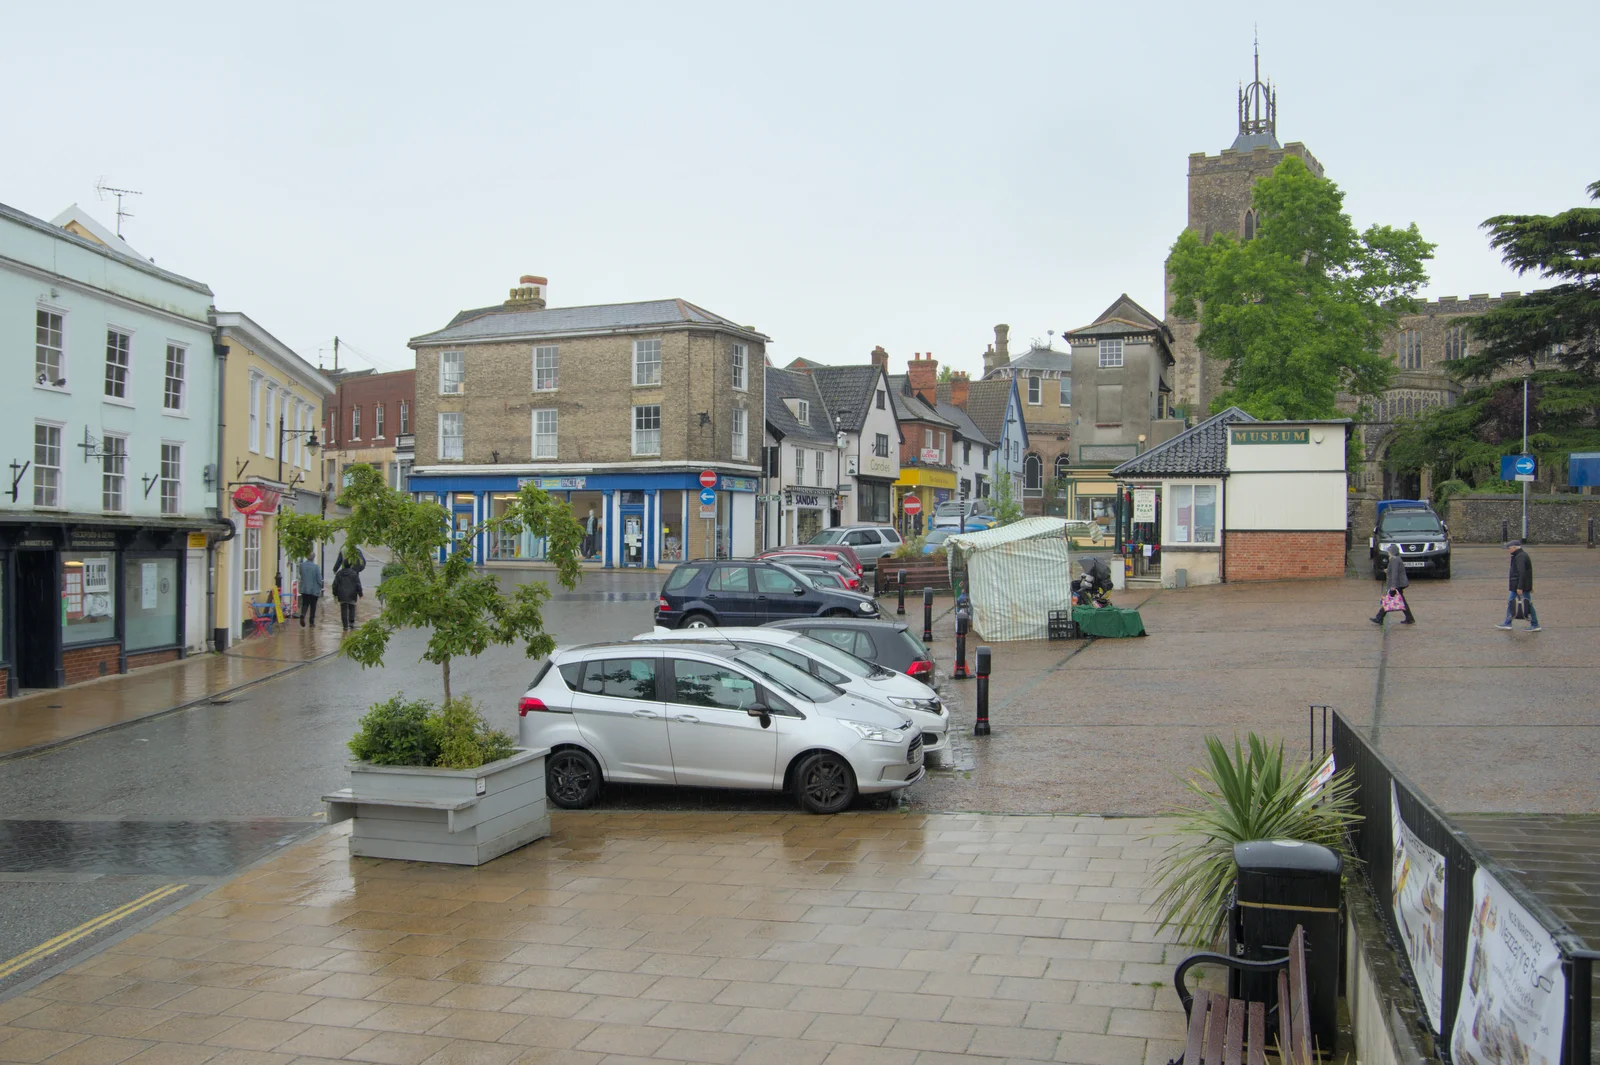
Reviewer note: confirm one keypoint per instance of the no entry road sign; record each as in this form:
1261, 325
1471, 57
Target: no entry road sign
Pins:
912, 505
708, 478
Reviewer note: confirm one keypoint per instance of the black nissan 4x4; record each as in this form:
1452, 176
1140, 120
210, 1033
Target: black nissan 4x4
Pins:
1423, 537
748, 591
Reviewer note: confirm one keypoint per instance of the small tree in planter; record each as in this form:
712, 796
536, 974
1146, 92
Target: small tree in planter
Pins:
1244, 796
1004, 505
431, 583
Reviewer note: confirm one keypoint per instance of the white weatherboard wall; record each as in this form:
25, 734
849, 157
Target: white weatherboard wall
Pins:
1287, 486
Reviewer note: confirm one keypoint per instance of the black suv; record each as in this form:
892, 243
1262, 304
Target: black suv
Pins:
1423, 537
750, 592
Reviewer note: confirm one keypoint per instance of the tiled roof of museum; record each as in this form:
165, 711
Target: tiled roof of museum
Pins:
493, 323
1198, 452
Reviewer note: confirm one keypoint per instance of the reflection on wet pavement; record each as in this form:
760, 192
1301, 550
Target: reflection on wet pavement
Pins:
142, 848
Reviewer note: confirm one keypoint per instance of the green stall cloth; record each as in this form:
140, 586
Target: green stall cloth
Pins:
1107, 621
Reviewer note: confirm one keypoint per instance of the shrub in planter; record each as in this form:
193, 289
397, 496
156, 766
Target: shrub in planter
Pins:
417, 733
1243, 796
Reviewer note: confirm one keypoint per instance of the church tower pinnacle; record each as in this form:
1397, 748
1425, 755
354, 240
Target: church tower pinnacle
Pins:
1258, 112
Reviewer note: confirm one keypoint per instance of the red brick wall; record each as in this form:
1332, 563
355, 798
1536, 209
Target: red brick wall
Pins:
86, 663
5, 682
1277, 556
152, 658
367, 392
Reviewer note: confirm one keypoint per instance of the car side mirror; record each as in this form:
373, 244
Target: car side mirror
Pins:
762, 712
799, 590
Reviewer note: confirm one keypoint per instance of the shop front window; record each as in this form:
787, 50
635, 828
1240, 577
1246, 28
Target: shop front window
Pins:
150, 602
1194, 514
88, 599
873, 504
807, 523
1098, 509
505, 545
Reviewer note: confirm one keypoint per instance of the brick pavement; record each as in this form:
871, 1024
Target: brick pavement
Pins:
891, 939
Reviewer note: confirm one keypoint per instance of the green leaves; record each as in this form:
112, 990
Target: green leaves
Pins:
1243, 796
463, 609
416, 733
1299, 312
1004, 505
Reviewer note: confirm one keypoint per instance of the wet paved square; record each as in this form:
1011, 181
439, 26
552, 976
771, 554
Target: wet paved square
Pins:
705, 937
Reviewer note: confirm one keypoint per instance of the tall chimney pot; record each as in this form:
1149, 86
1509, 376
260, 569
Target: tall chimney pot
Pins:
529, 295
923, 377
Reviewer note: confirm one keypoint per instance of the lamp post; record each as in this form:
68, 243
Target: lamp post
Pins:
311, 442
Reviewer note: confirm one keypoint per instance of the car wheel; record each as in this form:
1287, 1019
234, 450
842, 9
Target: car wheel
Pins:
1444, 570
697, 620
572, 779
824, 783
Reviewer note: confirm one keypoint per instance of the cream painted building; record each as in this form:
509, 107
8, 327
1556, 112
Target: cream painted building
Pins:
272, 404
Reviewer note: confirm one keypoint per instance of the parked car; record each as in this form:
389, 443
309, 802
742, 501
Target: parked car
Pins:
949, 515
840, 668
886, 643
1423, 537
709, 716
815, 566
836, 552
869, 542
934, 541
750, 592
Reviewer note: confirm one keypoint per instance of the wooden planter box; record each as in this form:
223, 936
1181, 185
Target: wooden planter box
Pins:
459, 816
919, 575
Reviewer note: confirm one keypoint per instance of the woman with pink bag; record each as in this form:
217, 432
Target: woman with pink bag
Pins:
1395, 597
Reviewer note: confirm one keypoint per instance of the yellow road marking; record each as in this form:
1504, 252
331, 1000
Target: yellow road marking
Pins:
83, 931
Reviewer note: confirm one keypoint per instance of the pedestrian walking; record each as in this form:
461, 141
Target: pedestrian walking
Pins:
1394, 598
347, 589
310, 591
1519, 602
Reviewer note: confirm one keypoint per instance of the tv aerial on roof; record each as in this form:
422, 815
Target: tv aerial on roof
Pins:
103, 190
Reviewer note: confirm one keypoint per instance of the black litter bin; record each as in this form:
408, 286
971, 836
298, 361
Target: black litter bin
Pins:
1283, 883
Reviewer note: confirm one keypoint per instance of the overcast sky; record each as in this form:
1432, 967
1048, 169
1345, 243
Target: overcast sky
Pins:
837, 175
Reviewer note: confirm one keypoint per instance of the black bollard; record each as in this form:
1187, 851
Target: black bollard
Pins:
1591, 532
1505, 532
927, 615
981, 727
960, 670
900, 607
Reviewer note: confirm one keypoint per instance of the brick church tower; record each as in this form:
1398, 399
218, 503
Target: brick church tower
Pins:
1219, 202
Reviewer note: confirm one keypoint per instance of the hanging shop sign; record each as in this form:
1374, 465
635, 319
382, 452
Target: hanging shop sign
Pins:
733, 484
255, 499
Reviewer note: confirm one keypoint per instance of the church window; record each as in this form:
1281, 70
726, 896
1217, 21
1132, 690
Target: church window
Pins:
1250, 225
1409, 353
1455, 343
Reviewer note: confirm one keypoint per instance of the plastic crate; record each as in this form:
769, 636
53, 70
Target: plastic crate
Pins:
1062, 627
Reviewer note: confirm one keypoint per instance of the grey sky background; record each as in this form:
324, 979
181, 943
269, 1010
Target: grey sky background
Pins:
837, 175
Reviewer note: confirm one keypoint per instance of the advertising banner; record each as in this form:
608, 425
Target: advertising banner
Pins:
1514, 997
1419, 909
1144, 505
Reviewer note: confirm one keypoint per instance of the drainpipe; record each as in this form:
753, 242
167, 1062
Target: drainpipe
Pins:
219, 353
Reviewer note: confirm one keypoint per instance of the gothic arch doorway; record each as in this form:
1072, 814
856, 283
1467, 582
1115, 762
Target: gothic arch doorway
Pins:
1396, 484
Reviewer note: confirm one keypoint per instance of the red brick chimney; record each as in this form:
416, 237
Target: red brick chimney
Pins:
958, 389
923, 377
880, 358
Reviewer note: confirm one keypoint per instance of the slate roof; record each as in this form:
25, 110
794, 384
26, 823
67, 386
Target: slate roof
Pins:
986, 406
965, 426
110, 252
1124, 316
1198, 452
1048, 360
908, 408
787, 384
489, 323
847, 390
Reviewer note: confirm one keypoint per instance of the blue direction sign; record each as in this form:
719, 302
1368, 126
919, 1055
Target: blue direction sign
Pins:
1518, 467
708, 496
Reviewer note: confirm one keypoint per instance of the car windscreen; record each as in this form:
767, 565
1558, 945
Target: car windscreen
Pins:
839, 659
939, 536
827, 536
791, 679
1411, 521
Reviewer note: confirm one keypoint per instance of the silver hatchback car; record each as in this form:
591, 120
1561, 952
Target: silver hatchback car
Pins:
710, 716
869, 542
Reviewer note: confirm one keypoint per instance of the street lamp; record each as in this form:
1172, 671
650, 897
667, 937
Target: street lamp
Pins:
311, 443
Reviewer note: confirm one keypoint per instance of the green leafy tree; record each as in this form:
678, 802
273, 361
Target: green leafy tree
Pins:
1004, 505
463, 609
1551, 337
946, 373
1298, 313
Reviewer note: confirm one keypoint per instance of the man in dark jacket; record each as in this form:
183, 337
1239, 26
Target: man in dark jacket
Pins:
347, 589
1521, 586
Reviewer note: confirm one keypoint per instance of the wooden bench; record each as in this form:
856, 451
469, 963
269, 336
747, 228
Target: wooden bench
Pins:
1223, 1030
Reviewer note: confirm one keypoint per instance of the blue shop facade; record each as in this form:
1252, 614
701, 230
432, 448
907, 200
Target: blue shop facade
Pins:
632, 518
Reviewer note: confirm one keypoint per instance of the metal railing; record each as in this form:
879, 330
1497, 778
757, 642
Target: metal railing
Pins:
1374, 845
